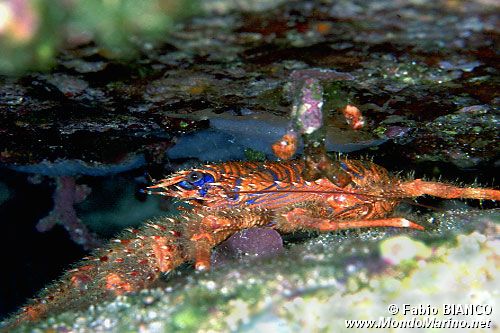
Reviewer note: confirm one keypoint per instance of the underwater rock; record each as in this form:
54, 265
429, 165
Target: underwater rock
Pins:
423, 73
228, 137
395, 64
63, 167
465, 138
398, 249
317, 278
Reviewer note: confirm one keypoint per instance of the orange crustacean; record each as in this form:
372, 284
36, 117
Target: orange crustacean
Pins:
230, 197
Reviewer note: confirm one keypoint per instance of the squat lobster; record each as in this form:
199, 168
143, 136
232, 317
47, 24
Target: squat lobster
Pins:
311, 194
291, 203
227, 198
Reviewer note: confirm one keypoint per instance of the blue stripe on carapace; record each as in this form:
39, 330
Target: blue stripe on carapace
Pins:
273, 174
296, 172
207, 178
288, 176
346, 168
236, 189
271, 186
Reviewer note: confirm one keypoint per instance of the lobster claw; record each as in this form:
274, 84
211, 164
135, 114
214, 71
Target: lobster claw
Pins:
176, 186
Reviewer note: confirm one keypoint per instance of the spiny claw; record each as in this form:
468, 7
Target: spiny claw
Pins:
164, 183
153, 190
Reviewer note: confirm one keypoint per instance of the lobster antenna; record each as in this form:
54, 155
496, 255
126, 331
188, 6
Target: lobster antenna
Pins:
148, 177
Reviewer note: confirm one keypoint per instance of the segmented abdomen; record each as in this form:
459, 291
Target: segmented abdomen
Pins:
128, 264
136, 259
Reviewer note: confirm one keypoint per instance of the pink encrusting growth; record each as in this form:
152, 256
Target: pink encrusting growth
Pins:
307, 110
66, 195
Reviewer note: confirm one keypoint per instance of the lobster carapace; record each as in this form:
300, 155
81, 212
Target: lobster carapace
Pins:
365, 201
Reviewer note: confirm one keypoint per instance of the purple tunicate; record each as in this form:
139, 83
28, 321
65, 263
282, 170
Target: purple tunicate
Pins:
68, 85
307, 108
249, 243
396, 131
307, 114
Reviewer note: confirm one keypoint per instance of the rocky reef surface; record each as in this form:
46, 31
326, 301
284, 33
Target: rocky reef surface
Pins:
423, 73
318, 285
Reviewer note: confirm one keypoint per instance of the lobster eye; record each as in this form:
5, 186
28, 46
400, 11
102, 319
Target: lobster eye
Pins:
194, 176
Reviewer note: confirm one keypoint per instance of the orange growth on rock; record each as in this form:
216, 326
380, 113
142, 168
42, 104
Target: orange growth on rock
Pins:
353, 117
285, 147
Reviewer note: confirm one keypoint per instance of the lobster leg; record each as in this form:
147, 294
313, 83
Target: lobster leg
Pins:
202, 253
211, 230
216, 227
419, 187
203, 243
300, 218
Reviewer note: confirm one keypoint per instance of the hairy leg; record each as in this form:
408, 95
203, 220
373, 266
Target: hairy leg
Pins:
218, 226
302, 218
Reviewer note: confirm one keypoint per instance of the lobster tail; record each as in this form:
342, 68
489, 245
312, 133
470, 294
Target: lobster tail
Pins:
136, 259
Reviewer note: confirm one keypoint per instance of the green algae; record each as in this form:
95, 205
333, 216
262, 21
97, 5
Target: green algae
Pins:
338, 94
38, 28
254, 155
